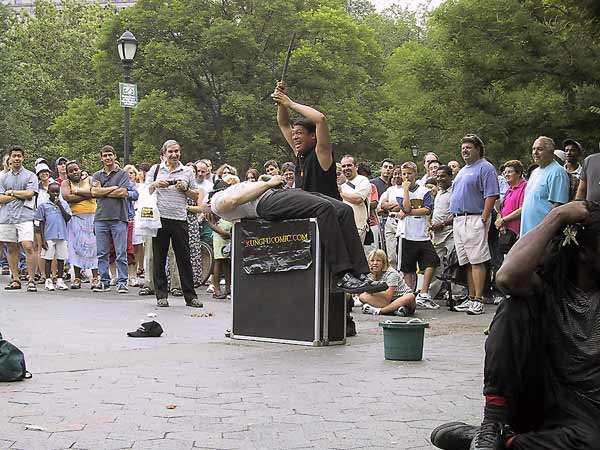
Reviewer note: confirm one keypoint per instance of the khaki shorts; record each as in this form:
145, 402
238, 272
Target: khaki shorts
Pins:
57, 248
471, 239
16, 232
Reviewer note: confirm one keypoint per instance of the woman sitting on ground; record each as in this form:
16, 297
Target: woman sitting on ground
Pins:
398, 299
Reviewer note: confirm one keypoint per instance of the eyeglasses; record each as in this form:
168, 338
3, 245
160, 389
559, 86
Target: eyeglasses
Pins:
431, 161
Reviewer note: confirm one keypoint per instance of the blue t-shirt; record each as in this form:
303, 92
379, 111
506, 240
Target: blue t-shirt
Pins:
55, 227
472, 185
546, 185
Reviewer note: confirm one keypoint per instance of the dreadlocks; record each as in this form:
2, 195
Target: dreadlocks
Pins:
561, 257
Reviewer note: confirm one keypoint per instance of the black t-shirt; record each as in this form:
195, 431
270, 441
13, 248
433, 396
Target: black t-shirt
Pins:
574, 339
311, 177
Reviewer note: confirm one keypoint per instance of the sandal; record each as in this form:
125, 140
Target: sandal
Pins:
162, 302
13, 286
219, 296
95, 283
146, 291
194, 303
31, 287
76, 284
176, 292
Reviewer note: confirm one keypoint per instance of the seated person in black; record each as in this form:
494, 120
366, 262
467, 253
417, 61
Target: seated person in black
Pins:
335, 219
542, 363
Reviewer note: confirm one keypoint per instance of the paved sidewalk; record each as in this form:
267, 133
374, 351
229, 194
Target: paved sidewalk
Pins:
95, 388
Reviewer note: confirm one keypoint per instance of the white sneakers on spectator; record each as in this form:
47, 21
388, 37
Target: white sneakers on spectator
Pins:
401, 312
471, 307
356, 301
464, 305
476, 308
424, 301
368, 309
210, 289
60, 285
49, 285
133, 282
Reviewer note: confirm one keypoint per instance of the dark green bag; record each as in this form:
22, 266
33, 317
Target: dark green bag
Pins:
12, 362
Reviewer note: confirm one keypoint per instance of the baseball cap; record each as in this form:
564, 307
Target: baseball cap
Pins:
59, 159
560, 155
147, 329
573, 142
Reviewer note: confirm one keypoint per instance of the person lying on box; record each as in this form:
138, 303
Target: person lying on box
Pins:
263, 199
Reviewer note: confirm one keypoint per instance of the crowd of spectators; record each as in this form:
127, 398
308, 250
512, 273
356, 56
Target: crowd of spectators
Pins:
68, 224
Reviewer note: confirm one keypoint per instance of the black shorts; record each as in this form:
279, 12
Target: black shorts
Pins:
421, 252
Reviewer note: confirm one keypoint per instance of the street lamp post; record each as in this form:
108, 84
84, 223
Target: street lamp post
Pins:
127, 46
414, 149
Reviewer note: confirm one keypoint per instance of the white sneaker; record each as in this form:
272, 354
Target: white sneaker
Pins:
424, 301
401, 312
476, 308
60, 285
368, 309
49, 285
464, 306
210, 289
113, 282
133, 282
356, 301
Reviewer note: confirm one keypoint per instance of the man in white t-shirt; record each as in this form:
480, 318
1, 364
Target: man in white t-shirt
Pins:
416, 203
356, 192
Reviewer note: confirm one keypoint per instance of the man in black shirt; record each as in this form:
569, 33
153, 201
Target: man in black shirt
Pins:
310, 141
542, 363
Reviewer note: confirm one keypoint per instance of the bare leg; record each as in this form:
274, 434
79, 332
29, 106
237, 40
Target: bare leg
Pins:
48, 269
60, 267
470, 283
411, 280
427, 276
216, 276
31, 259
478, 273
407, 300
227, 274
13, 255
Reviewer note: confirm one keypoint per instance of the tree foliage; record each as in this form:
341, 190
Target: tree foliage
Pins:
508, 70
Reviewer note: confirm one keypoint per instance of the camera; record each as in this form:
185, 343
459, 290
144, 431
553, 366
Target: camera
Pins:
172, 182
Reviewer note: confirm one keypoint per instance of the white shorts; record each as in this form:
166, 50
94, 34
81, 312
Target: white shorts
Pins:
57, 249
471, 239
16, 232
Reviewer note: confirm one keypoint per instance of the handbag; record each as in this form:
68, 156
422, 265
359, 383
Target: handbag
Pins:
147, 217
12, 362
506, 240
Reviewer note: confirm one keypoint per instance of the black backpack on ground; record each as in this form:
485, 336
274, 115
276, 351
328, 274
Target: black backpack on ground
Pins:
12, 362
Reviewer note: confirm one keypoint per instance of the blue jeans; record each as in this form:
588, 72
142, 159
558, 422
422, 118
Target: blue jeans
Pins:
104, 229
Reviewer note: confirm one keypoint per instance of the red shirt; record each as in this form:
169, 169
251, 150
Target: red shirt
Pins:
513, 200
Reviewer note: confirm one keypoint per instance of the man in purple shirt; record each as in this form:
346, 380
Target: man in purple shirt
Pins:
474, 192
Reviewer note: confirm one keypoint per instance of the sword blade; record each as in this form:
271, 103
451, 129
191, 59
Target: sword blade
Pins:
286, 64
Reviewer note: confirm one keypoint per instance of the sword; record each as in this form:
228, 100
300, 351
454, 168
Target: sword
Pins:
286, 64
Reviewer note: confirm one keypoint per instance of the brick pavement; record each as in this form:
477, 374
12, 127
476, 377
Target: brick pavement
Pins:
95, 388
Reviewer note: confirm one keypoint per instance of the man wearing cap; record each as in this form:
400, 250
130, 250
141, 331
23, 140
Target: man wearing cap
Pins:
474, 193
561, 158
17, 190
61, 169
547, 187
589, 179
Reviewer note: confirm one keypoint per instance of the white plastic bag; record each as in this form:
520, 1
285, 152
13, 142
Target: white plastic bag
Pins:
147, 217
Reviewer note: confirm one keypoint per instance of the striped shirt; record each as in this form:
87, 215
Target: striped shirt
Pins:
171, 201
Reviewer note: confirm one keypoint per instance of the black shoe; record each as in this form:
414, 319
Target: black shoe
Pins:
453, 436
374, 286
491, 436
350, 327
353, 285
146, 291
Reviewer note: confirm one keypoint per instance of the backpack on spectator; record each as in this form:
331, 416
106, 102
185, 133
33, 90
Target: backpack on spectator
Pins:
12, 362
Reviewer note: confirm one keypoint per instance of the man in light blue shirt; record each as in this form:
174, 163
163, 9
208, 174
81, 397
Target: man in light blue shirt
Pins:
17, 190
547, 187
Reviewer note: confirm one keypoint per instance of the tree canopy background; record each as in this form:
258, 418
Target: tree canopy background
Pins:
508, 70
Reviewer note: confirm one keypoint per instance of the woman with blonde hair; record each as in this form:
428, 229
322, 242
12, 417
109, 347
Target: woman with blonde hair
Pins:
398, 299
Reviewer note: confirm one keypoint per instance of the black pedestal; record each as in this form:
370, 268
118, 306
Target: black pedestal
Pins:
293, 306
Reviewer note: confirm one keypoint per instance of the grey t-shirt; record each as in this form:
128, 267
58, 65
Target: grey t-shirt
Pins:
171, 201
111, 208
590, 173
244, 211
18, 211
